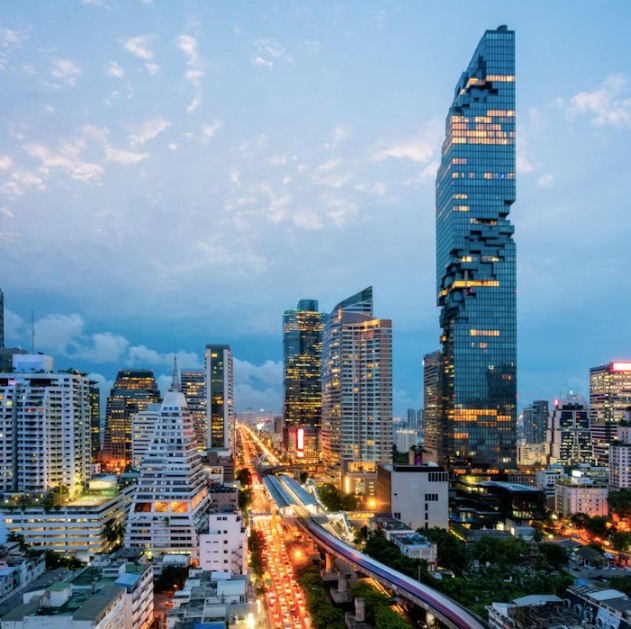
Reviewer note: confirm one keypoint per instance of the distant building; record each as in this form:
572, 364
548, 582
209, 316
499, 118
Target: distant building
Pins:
536, 422
45, 425
581, 495
134, 390
224, 547
142, 426
194, 390
95, 420
303, 444
220, 397
418, 495
356, 394
531, 453
568, 437
405, 439
1, 319
609, 398
547, 479
432, 392
415, 418
620, 458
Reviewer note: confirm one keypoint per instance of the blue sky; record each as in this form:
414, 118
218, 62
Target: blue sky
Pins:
178, 173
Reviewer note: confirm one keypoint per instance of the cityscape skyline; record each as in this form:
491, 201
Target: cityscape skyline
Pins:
586, 107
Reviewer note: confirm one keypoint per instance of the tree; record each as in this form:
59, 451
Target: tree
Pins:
256, 545
620, 503
19, 538
579, 520
453, 554
596, 546
599, 525
303, 477
555, 555
361, 535
245, 499
57, 560
334, 500
243, 476
621, 541
114, 535
171, 578
621, 583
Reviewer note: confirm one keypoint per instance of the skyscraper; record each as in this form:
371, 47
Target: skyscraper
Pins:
432, 393
536, 421
194, 390
95, 420
356, 394
1, 319
133, 391
302, 363
609, 398
220, 397
475, 261
568, 439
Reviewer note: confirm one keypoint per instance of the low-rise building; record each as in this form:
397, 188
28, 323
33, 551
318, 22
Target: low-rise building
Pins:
406, 439
59, 607
418, 495
531, 453
224, 547
602, 608
417, 547
18, 568
536, 610
388, 525
577, 494
223, 497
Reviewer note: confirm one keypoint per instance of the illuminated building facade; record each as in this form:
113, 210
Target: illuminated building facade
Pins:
220, 397
432, 396
1, 319
302, 363
475, 262
303, 444
95, 420
536, 421
568, 438
133, 391
356, 394
609, 398
194, 390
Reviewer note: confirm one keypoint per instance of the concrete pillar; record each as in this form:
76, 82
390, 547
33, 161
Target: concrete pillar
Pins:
330, 563
341, 582
360, 609
411, 457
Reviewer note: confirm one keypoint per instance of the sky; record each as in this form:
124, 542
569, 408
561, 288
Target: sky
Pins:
179, 173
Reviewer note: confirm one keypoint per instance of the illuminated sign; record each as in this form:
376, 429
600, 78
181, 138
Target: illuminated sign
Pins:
621, 366
301, 440
556, 403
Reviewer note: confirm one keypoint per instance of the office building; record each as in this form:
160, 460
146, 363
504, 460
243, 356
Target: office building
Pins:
577, 494
194, 390
418, 495
531, 453
547, 479
45, 427
133, 391
432, 396
302, 363
1, 319
568, 437
609, 398
220, 397
303, 444
620, 458
142, 426
415, 418
475, 261
95, 420
171, 501
405, 439
536, 421
224, 547
75, 528
356, 394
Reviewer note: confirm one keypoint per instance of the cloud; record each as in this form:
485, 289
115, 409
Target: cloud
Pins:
148, 130
5, 162
113, 69
425, 176
272, 48
152, 68
188, 45
247, 397
259, 61
209, 131
67, 159
20, 181
139, 355
102, 348
10, 41
607, 105
123, 156
139, 46
269, 372
522, 164
57, 332
546, 180
420, 149
6, 211
66, 70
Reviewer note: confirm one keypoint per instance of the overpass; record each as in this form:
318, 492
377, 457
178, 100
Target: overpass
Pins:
444, 609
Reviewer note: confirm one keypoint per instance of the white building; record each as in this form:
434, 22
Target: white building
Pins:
418, 495
224, 547
620, 460
531, 453
406, 439
547, 479
220, 397
44, 428
171, 498
142, 426
59, 607
76, 528
581, 495
418, 547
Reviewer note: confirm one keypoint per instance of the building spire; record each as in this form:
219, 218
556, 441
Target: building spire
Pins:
175, 382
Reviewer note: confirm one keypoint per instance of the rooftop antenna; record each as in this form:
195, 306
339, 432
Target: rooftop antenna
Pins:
175, 382
32, 331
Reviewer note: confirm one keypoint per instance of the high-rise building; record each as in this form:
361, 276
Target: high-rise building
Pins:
170, 503
194, 390
609, 398
302, 363
475, 261
1, 319
44, 428
143, 425
356, 394
95, 420
568, 438
133, 391
432, 402
220, 397
620, 457
536, 421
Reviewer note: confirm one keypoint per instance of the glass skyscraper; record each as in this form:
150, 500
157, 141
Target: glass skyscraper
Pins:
194, 389
536, 421
302, 362
219, 397
475, 261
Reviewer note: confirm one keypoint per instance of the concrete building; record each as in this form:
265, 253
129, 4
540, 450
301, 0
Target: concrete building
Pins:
6, 357
620, 458
194, 390
75, 528
95, 420
531, 453
568, 436
224, 547
223, 497
220, 397
536, 422
418, 495
417, 547
17, 569
406, 439
547, 479
142, 426
356, 394
59, 607
45, 425
581, 495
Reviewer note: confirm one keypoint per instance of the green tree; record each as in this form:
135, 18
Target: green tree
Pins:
596, 546
171, 578
621, 541
19, 538
599, 526
555, 555
303, 477
621, 583
334, 500
57, 560
256, 545
361, 535
579, 520
244, 476
620, 503
453, 554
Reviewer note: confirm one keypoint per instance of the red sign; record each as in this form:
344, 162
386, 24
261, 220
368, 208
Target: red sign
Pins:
301, 440
621, 366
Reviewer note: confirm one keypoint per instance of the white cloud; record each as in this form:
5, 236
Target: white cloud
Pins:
139, 355
152, 68
188, 45
66, 70
123, 156
523, 165
68, 159
6, 211
546, 180
56, 332
5, 162
269, 372
276, 160
20, 181
113, 69
247, 397
194, 104
425, 176
148, 130
10, 41
259, 61
139, 46
102, 348
209, 131
174, 146
195, 76
607, 105
420, 149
